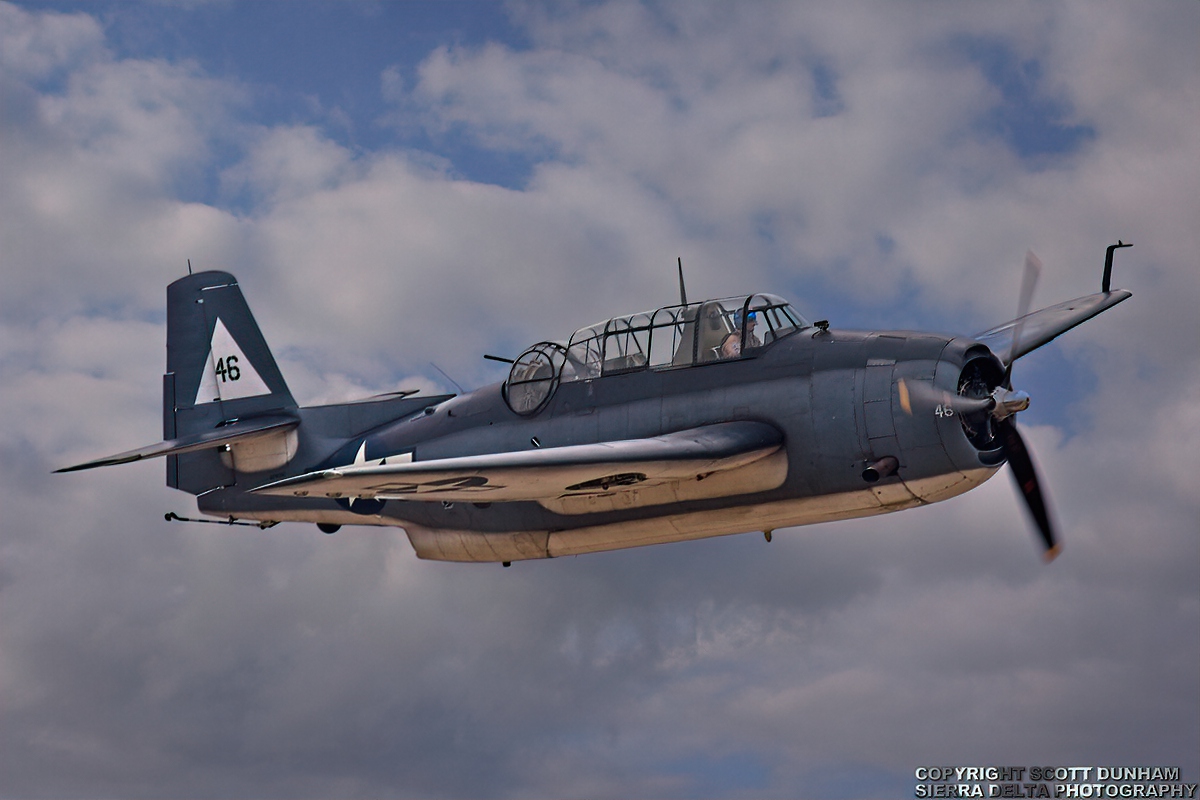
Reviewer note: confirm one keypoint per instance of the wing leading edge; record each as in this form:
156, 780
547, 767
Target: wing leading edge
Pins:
553, 473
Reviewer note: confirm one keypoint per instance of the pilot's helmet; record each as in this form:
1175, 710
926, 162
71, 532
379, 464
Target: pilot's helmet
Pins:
750, 317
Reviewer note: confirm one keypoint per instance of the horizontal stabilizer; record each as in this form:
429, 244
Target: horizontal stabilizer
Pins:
546, 473
230, 433
1043, 326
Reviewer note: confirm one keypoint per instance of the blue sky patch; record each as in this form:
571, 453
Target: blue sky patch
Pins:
1032, 122
715, 775
307, 62
827, 101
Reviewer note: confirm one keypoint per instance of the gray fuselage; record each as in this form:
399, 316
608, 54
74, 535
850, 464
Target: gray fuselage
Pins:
833, 395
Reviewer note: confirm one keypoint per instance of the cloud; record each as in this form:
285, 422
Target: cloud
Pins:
92, 169
848, 156
738, 144
40, 46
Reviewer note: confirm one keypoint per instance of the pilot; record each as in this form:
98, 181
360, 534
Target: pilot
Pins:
732, 346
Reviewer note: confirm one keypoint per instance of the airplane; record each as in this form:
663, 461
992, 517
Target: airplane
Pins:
694, 420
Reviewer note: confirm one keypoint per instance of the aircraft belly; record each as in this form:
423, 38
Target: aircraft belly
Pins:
468, 545
936, 488
459, 545
454, 545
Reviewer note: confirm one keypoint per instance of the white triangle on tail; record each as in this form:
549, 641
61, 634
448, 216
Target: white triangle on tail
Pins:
228, 374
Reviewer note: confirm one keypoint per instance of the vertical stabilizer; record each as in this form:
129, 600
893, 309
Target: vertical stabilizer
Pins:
219, 369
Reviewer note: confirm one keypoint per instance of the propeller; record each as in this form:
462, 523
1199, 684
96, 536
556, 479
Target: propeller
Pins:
1029, 279
1003, 403
1015, 451
1026, 478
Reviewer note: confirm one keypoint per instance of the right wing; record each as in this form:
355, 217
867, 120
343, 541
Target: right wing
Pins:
549, 474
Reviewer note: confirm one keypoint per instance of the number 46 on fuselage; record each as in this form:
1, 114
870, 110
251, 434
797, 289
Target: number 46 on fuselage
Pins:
688, 421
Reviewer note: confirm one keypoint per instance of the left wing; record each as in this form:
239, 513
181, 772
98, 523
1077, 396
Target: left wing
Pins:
554, 472
1043, 326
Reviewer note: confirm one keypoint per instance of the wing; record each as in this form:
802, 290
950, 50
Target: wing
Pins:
1043, 326
232, 433
547, 474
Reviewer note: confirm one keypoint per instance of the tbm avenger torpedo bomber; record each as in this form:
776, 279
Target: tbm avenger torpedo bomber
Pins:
693, 420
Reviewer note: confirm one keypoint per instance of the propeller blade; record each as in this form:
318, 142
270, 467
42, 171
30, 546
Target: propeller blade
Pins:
1029, 279
1025, 475
925, 394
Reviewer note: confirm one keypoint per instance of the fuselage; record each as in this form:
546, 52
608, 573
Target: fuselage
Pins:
834, 396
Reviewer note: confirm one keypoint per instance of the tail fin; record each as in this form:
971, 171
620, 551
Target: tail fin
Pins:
216, 352
219, 369
226, 409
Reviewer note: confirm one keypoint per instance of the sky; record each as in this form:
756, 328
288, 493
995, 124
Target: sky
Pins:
398, 185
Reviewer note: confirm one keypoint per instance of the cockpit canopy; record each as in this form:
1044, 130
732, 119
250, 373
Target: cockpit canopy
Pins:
675, 336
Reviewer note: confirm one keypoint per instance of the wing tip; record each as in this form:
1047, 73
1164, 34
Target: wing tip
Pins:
99, 462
